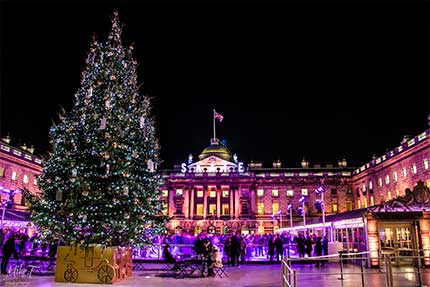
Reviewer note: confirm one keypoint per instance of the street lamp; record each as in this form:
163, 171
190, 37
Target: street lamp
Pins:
320, 191
290, 208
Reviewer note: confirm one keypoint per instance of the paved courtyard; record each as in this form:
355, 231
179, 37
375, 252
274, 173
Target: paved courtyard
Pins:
249, 275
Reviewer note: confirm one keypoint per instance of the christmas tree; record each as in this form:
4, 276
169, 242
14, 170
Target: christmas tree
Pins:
99, 184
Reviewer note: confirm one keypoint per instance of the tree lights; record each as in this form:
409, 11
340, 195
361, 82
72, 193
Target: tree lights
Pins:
103, 158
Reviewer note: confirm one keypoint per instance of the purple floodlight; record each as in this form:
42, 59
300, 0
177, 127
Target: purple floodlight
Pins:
319, 190
302, 199
290, 206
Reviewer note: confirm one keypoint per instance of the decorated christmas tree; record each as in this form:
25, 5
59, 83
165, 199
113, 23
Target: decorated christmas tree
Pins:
99, 184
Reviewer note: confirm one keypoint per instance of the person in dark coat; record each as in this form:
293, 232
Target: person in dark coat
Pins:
278, 247
7, 251
325, 248
308, 246
169, 257
270, 248
318, 251
301, 246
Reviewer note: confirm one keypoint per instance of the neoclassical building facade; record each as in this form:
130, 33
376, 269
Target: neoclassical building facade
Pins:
217, 193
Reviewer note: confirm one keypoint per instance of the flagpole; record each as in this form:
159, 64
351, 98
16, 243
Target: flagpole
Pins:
213, 115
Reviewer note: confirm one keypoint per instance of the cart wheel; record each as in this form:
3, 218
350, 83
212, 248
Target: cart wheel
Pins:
71, 274
106, 273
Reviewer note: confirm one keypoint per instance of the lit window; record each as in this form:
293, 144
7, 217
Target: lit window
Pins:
212, 209
212, 193
387, 179
414, 168
164, 208
348, 206
225, 209
358, 204
225, 193
1, 171
14, 175
25, 179
372, 201
404, 173
364, 187
199, 211
397, 193
425, 164
334, 207
305, 191
179, 192
365, 202
35, 181
199, 193
260, 192
260, 208
370, 185
380, 182
389, 195
275, 193
164, 192
290, 192
395, 176
275, 207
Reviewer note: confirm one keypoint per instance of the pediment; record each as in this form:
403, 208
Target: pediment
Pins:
212, 164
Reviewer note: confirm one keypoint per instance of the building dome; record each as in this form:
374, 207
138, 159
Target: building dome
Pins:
216, 149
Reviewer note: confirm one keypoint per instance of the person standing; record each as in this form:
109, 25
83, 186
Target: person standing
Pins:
301, 246
270, 248
325, 249
318, 251
7, 251
278, 247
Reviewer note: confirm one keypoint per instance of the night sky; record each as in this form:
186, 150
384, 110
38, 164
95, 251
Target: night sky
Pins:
320, 80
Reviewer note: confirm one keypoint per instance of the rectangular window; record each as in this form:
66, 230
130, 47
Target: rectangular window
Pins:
364, 187
25, 179
244, 208
334, 207
389, 195
225, 193
212, 193
14, 175
1, 171
179, 192
164, 209
370, 185
212, 209
397, 193
379, 182
404, 173
372, 201
365, 202
333, 191
348, 206
179, 208
275, 207
425, 164
358, 203
260, 208
35, 180
305, 191
387, 179
199, 209
275, 193
395, 176
165, 193
199, 193
414, 168
290, 192
225, 209
260, 192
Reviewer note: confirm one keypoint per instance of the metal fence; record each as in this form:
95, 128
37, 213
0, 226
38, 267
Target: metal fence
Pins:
291, 273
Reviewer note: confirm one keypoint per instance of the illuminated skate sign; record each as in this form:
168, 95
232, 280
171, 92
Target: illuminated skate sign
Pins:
212, 164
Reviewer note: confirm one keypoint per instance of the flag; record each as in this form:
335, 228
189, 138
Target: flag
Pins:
218, 116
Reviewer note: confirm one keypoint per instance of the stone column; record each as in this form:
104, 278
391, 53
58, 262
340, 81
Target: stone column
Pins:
253, 210
193, 193
186, 207
231, 194
172, 193
236, 202
218, 202
205, 201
